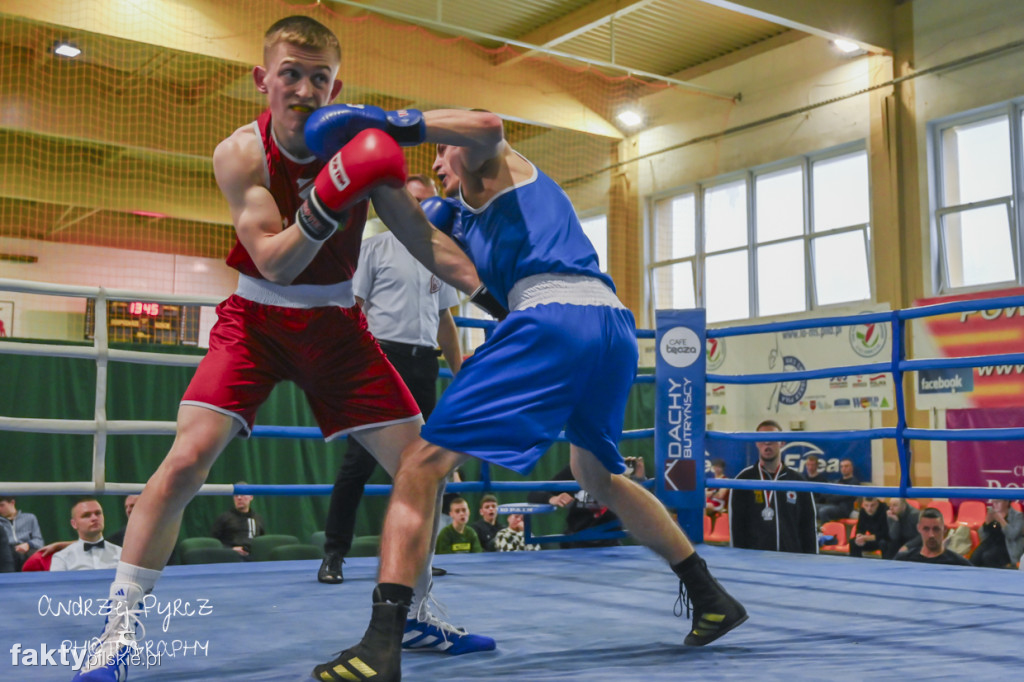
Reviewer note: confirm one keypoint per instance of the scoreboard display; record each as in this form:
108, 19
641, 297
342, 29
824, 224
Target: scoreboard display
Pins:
146, 322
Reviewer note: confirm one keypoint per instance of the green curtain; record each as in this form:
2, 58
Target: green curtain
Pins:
65, 389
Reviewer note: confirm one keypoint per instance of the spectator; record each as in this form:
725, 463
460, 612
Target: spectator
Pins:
813, 473
902, 520
932, 529
21, 529
488, 525
408, 311
512, 539
236, 527
872, 531
7, 563
584, 510
458, 538
118, 537
90, 550
836, 506
778, 521
447, 499
1002, 537
717, 499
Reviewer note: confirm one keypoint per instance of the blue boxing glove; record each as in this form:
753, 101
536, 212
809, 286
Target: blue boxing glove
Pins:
328, 129
446, 216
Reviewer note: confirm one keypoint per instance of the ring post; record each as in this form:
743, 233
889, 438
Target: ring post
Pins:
679, 416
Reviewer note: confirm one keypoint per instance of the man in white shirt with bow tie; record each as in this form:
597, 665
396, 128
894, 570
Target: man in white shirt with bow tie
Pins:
90, 551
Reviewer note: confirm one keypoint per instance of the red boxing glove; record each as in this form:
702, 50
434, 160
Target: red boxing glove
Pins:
370, 160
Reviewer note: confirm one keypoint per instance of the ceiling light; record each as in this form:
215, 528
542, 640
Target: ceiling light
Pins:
846, 46
630, 118
66, 50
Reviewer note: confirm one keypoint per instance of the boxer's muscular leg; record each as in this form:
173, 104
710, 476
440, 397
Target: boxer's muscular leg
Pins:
154, 524
406, 544
645, 517
387, 443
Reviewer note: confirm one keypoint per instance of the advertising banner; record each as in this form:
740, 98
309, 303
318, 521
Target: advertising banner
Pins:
790, 351
956, 335
738, 456
679, 414
989, 464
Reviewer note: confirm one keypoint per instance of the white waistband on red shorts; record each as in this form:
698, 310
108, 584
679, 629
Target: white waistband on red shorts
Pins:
295, 295
559, 288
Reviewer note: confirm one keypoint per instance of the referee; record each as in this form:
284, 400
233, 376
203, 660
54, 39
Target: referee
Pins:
407, 309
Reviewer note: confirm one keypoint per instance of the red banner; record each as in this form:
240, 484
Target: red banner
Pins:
989, 464
986, 332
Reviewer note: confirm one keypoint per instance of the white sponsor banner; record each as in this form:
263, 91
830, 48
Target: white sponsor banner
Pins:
790, 351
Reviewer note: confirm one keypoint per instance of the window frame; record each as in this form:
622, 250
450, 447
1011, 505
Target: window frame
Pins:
1014, 111
807, 236
596, 213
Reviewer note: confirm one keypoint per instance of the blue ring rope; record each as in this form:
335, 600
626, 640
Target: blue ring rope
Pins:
313, 432
794, 436
898, 365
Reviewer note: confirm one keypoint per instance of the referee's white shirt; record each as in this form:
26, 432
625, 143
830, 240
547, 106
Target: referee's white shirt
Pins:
75, 558
401, 298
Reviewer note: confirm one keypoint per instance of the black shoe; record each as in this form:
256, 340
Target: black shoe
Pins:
715, 611
378, 657
435, 571
330, 569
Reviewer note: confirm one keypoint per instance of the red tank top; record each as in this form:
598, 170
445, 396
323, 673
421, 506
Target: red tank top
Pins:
290, 180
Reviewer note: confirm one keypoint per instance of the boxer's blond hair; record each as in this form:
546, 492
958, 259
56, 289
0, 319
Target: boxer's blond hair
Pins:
302, 32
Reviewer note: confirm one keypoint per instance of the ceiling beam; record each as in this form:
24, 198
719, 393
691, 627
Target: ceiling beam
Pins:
869, 23
740, 55
210, 28
586, 18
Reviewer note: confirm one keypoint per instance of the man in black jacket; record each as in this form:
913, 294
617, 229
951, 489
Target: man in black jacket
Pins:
236, 527
902, 520
872, 528
775, 520
835, 507
488, 525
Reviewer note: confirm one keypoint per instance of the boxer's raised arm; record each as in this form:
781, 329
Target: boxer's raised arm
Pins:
481, 134
436, 250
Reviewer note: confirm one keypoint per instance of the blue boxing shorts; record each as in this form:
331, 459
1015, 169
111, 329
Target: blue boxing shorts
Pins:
544, 368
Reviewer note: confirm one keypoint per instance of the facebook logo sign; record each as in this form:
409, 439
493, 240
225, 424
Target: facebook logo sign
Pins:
960, 380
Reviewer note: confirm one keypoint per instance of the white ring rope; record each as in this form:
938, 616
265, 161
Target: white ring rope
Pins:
99, 427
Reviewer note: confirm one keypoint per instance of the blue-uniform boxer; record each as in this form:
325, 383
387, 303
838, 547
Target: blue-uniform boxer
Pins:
565, 355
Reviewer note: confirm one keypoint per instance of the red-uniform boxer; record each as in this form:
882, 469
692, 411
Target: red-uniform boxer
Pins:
299, 224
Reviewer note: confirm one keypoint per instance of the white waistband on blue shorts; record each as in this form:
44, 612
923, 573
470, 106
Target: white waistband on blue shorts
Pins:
295, 295
558, 288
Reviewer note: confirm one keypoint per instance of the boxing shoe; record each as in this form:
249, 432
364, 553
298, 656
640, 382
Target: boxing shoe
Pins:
426, 632
109, 654
715, 612
378, 656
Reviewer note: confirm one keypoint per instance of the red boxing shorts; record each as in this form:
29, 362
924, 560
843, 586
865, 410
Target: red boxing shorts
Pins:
327, 351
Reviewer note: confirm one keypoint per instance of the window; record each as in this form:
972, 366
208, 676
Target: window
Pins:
977, 198
596, 229
786, 238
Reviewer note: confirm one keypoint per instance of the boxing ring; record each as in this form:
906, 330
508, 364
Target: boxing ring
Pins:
594, 614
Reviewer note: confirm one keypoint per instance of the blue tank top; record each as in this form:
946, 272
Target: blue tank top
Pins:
529, 229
